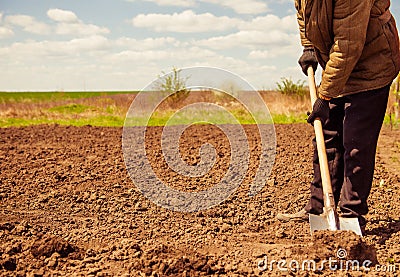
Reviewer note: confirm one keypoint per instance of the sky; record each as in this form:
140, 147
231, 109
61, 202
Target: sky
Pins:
75, 45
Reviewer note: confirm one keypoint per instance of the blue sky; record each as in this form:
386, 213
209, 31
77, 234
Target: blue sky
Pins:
126, 44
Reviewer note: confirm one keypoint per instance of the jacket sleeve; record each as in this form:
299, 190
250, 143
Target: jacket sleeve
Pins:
350, 24
300, 5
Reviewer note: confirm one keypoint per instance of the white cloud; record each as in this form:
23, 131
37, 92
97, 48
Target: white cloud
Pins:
62, 15
29, 24
176, 3
69, 24
173, 55
266, 36
146, 44
242, 6
188, 21
80, 29
249, 39
284, 1
271, 22
5, 32
93, 43
289, 50
263, 54
184, 22
40, 50
239, 6
140, 56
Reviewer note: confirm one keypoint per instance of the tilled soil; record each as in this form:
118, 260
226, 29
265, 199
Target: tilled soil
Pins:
68, 207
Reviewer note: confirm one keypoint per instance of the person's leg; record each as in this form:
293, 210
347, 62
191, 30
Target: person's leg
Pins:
333, 141
333, 132
364, 114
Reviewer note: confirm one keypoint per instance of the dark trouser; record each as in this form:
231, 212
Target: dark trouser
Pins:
351, 136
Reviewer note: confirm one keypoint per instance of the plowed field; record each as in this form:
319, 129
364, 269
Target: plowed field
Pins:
68, 207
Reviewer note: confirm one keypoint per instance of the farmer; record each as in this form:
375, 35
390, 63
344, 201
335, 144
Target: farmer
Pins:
356, 43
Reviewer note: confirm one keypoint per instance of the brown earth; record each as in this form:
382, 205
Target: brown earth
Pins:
68, 207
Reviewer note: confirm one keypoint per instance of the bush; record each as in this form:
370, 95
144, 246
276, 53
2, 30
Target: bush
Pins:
172, 84
288, 87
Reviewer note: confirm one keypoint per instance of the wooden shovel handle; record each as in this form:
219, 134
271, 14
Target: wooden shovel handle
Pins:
329, 200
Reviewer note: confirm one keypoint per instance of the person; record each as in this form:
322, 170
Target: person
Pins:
357, 45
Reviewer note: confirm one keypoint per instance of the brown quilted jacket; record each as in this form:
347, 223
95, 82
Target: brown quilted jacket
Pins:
356, 42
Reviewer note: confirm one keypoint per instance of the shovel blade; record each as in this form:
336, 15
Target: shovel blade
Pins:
349, 223
321, 222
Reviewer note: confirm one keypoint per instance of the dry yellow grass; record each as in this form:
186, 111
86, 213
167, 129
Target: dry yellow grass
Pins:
279, 103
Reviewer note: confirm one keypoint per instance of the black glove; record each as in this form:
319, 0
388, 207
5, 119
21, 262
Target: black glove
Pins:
308, 59
320, 110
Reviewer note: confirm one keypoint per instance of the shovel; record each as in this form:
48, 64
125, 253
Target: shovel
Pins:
329, 219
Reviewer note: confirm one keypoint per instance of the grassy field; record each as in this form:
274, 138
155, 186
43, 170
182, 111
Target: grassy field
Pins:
110, 109
48, 96
64, 108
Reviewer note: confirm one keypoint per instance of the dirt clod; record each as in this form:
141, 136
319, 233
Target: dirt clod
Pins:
342, 245
48, 245
8, 263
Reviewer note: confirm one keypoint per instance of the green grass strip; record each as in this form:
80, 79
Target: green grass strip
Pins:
6, 97
105, 121
118, 121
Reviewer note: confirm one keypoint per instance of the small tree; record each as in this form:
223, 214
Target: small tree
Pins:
172, 84
288, 87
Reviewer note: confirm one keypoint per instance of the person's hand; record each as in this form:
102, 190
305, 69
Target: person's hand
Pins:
308, 59
320, 110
